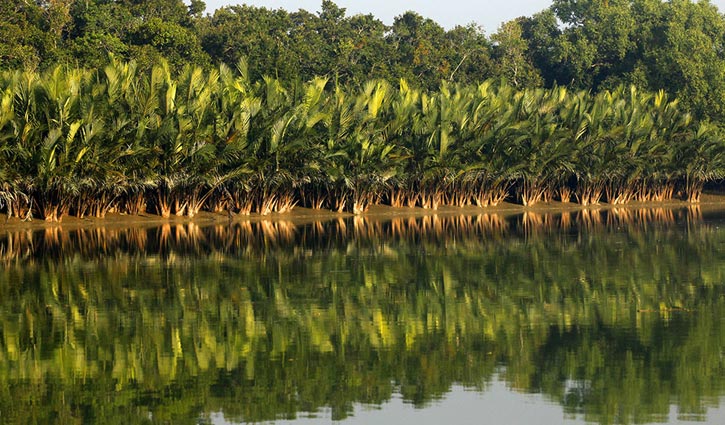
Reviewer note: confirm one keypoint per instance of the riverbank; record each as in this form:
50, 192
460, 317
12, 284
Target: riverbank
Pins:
709, 202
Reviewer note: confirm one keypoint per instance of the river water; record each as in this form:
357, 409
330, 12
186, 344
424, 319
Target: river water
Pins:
612, 316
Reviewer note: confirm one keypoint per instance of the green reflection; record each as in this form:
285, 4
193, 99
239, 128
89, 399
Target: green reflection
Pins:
613, 314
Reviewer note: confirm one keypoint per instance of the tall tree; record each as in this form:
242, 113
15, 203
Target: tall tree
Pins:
418, 44
468, 51
598, 35
258, 34
685, 55
511, 59
26, 41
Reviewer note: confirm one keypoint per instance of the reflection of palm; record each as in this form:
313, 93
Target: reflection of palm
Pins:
480, 294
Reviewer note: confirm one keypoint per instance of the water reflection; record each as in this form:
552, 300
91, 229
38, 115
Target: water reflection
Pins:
251, 236
614, 315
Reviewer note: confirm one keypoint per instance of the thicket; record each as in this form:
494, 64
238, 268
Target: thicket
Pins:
586, 101
82, 142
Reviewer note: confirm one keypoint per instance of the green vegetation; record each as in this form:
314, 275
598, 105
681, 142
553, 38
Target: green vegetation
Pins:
673, 45
87, 142
263, 321
125, 105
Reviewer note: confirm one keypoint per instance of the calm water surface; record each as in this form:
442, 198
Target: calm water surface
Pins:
590, 317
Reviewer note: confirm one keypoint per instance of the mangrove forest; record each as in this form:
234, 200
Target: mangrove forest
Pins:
86, 142
128, 107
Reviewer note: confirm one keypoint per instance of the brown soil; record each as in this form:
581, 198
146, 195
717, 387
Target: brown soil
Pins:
709, 202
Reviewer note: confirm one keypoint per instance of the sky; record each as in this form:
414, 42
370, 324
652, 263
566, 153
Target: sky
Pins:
448, 13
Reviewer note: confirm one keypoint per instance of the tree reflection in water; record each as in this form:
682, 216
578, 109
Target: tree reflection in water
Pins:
614, 314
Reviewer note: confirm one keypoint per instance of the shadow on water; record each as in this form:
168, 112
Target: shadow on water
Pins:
614, 315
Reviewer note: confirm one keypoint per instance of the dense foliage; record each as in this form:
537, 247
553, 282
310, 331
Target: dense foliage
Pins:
83, 142
676, 45
265, 320
121, 105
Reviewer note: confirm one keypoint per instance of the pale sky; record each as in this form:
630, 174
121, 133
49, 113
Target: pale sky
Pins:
448, 13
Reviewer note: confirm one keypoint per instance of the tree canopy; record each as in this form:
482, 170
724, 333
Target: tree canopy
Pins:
675, 46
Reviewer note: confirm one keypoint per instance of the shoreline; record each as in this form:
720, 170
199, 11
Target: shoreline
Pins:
299, 215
